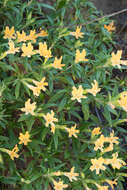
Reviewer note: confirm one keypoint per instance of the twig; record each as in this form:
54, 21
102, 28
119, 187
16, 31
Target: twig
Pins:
109, 15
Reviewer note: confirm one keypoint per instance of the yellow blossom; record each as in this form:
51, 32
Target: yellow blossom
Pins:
99, 143
9, 33
27, 50
53, 129
59, 185
116, 162
96, 131
50, 119
94, 90
71, 175
80, 56
36, 90
109, 148
12, 49
29, 108
42, 33
97, 164
41, 85
102, 187
13, 153
21, 37
112, 139
111, 183
77, 93
77, 33
123, 102
72, 131
116, 59
58, 173
32, 36
24, 138
110, 27
43, 51
57, 63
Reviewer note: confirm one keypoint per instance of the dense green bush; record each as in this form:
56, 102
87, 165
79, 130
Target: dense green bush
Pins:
63, 98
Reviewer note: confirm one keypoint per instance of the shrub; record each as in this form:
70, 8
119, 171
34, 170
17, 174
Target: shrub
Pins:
62, 104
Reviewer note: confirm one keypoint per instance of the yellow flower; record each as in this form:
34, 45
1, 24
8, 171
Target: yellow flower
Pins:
43, 51
9, 33
94, 90
72, 131
116, 59
110, 27
97, 164
96, 131
99, 143
116, 162
112, 139
111, 183
58, 173
50, 119
32, 36
24, 138
12, 49
77, 33
53, 129
21, 37
42, 33
59, 185
80, 56
102, 187
13, 153
123, 102
29, 108
41, 85
36, 90
109, 148
27, 50
71, 175
77, 93
57, 63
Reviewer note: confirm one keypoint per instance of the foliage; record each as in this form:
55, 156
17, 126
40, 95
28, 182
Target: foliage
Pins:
63, 98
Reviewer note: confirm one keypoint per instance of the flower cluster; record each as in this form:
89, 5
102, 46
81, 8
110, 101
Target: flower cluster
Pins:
99, 164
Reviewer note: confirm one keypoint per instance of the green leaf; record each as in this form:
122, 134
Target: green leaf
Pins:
17, 89
62, 104
85, 110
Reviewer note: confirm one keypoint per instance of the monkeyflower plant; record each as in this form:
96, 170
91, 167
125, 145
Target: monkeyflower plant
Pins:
62, 106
